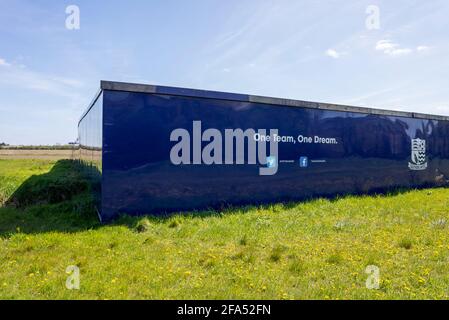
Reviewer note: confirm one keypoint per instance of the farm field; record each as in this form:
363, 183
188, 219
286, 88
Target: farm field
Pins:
47, 154
318, 249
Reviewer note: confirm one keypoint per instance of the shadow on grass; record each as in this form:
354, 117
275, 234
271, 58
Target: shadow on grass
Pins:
59, 200
62, 200
272, 207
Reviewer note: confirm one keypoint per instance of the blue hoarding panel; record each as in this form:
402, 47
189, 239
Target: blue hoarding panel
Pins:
165, 152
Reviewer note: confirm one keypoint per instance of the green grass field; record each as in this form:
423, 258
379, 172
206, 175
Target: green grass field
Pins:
313, 250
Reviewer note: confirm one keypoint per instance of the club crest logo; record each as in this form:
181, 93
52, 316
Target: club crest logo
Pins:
418, 155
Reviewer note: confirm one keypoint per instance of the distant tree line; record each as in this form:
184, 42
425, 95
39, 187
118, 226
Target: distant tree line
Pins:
41, 147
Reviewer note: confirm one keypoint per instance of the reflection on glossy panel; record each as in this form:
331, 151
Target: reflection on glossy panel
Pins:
90, 139
90, 136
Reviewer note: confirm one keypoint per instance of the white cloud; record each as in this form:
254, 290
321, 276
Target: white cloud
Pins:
4, 63
20, 77
423, 48
400, 52
391, 48
333, 53
385, 45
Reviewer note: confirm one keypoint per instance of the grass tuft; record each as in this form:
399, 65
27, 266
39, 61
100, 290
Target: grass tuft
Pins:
243, 241
143, 225
296, 266
276, 253
174, 223
405, 243
335, 258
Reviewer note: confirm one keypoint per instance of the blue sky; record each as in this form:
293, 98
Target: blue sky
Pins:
309, 50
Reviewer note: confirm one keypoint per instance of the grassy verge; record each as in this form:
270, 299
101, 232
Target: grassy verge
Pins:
314, 250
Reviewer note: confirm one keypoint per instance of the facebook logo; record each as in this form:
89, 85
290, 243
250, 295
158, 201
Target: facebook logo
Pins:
303, 162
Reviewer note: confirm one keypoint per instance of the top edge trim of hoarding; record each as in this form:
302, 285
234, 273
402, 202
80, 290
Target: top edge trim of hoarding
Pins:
146, 88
